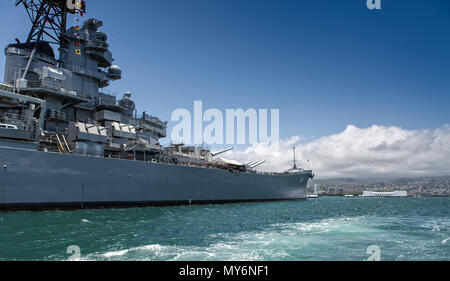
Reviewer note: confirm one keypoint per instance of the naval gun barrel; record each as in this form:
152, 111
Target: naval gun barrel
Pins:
254, 165
220, 151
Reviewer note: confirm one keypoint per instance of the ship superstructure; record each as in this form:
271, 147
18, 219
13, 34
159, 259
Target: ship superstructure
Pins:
76, 111
56, 121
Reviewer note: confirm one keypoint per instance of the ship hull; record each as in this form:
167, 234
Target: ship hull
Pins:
31, 179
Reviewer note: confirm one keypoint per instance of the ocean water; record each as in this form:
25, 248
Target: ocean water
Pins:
327, 228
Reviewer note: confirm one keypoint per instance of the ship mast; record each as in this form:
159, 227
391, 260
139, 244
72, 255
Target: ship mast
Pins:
49, 17
295, 166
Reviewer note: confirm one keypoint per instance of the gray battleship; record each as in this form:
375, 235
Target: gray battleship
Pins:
65, 142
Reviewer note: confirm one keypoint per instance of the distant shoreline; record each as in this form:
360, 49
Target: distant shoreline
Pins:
359, 195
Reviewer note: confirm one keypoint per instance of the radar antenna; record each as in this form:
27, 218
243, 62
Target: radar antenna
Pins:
48, 17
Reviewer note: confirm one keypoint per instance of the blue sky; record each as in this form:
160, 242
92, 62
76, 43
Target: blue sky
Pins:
324, 64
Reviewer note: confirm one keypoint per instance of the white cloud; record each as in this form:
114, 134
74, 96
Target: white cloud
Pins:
376, 151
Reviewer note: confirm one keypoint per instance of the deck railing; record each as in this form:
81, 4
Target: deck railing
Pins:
39, 84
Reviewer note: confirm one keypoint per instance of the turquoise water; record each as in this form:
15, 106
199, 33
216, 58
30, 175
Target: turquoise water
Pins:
328, 228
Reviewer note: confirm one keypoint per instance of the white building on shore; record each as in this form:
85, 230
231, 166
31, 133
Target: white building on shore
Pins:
384, 194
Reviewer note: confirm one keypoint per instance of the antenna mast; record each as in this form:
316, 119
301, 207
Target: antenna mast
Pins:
49, 17
295, 166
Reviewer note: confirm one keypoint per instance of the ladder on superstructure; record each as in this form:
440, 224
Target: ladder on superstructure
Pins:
62, 145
